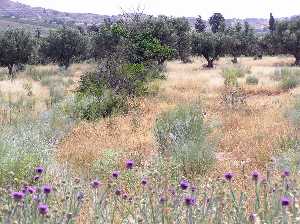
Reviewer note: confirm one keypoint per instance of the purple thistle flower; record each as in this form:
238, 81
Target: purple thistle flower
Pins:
116, 174
129, 164
25, 189
193, 189
47, 189
255, 176
31, 190
118, 192
285, 201
228, 176
95, 184
18, 195
36, 178
80, 196
286, 173
252, 218
162, 199
144, 181
184, 184
39, 170
125, 196
190, 201
43, 209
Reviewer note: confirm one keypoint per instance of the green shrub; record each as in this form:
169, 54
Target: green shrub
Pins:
182, 135
252, 80
16, 164
109, 162
105, 91
230, 76
289, 83
285, 73
91, 108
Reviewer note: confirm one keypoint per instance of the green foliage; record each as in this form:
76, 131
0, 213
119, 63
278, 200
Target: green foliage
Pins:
230, 76
251, 80
90, 107
217, 22
109, 162
289, 83
181, 135
286, 38
200, 25
16, 163
16, 46
63, 46
209, 45
289, 77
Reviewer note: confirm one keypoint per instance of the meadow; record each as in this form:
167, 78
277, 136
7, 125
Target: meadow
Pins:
205, 146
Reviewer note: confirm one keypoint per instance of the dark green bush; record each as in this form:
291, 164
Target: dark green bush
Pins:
252, 80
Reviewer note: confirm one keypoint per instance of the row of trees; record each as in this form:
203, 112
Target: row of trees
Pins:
147, 38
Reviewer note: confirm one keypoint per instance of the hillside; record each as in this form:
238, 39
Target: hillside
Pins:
17, 14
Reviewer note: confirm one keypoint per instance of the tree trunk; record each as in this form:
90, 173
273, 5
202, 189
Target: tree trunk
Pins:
10, 70
234, 60
297, 62
210, 63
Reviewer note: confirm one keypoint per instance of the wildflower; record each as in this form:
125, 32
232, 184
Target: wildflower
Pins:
255, 176
162, 200
193, 188
43, 209
144, 181
77, 180
285, 201
129, 164
184, 184
252, 218
80, 196
125, 196
118, 192
47, 189
39, 170
228, 176
116, 174
31, 190
95, 184
18, 196
285, 173
36, 178
190, 201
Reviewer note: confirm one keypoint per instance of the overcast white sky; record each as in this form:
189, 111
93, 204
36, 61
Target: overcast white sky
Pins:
229, 8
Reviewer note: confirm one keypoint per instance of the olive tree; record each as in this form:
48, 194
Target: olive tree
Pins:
286, 38
64, 45
209, 45
16, 46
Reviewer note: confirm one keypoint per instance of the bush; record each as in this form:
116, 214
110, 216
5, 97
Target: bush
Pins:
289, 83
252, 80
182, 135
105, 91
91, 107
230, 75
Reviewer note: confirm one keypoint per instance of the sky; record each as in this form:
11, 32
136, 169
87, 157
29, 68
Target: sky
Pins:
205, 8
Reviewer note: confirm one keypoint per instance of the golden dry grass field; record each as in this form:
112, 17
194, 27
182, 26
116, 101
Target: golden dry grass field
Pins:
246, 138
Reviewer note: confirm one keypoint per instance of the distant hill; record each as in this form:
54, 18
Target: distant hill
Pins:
16, 14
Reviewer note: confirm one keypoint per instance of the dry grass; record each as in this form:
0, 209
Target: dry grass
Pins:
248, 137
